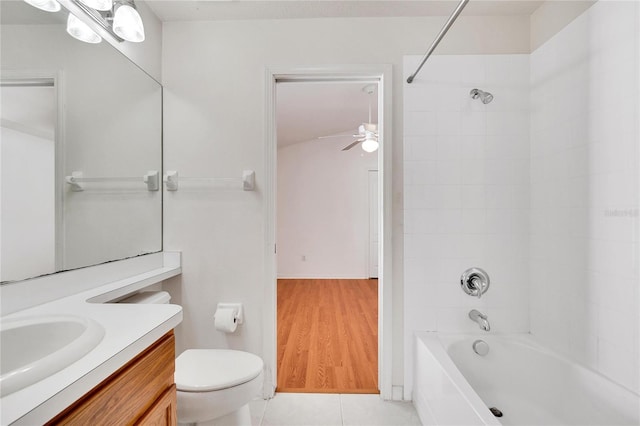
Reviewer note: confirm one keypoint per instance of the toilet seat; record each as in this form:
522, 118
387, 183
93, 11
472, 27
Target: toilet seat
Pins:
205, 370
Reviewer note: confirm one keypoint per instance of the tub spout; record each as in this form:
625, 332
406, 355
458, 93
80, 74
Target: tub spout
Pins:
480, 318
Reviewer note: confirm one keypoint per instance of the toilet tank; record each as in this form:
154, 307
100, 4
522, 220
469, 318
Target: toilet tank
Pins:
146, 297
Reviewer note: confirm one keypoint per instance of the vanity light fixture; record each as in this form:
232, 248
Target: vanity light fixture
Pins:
127, 22
81, 31
46, 5
119, 18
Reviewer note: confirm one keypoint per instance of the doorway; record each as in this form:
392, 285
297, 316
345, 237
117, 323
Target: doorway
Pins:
326, 304
352, 74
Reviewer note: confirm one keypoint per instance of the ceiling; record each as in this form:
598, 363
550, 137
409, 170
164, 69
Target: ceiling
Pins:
201, 10
308, 110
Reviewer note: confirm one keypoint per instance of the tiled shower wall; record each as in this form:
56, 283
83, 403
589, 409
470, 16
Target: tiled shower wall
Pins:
555, 217
585, 193
466, 188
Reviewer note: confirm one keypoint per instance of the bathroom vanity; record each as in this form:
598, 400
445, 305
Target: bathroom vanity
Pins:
142, 392
128, 375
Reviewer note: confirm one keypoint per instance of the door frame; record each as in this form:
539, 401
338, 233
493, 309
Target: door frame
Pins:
382, 75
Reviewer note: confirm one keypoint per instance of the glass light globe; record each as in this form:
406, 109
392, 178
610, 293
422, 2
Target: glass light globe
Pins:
99, 4
128, 24
46, 5
370, 144
81, 31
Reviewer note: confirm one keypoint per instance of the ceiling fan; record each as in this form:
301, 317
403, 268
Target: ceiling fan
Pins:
367, 132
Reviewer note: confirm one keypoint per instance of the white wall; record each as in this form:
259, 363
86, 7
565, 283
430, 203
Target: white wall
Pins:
323, 210
466, 200
28, 225
585, 191
213, 74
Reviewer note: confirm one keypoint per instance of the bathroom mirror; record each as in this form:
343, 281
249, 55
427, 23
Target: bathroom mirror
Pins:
81, 149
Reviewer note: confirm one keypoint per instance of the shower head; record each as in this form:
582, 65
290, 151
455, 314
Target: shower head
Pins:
485, 97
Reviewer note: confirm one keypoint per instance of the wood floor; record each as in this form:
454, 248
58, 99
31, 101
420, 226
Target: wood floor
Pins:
328, 336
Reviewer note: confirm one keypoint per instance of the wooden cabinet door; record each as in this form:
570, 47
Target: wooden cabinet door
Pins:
163, 412
129, 393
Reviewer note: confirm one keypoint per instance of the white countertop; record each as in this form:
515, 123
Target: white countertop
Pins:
129, 329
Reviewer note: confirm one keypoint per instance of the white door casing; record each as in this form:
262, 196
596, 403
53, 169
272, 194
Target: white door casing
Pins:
382, 75
373, 224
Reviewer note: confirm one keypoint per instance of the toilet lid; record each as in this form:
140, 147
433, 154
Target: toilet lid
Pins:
202, 370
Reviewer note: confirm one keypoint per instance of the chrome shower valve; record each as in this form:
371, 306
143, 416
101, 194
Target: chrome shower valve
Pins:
475, 282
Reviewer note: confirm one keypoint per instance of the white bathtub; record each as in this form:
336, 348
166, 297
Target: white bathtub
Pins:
528, 383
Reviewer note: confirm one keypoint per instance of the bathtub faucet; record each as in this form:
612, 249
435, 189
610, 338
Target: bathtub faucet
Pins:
480, 318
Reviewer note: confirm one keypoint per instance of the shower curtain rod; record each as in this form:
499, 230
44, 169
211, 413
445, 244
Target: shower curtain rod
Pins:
441, 34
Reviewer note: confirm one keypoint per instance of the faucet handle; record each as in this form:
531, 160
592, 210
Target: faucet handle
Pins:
475, 282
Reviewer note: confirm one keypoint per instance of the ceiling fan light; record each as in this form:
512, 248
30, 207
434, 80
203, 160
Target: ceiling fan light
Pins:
370, 145
46, 5
127, 23
81, 31
98, 4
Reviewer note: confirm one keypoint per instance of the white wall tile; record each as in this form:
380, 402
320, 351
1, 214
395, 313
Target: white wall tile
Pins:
617, 327
584, 172
450, 225
448, 122
455, 320
473, 196
509, 320
420, 123
419, 148
618, 364
449, 146
421, 172
473, 221
414, 100
472, 147
449, 172
473, 123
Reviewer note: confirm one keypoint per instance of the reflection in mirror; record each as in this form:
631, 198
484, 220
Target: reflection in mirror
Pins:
28, 123
72, 108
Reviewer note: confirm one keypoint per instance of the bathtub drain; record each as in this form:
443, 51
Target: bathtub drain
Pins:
495, 412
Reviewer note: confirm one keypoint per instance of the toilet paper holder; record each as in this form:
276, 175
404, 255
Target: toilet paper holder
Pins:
237, 306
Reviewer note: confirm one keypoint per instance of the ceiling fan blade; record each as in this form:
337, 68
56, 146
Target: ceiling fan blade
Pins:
351, 145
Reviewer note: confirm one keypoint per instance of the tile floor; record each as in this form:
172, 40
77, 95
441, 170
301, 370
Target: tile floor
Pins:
314, 409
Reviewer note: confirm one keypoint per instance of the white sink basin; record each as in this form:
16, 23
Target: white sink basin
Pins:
33, 348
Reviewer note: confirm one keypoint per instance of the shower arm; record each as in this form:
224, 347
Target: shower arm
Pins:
439, 37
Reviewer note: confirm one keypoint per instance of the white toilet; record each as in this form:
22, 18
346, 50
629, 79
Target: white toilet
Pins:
214, 385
